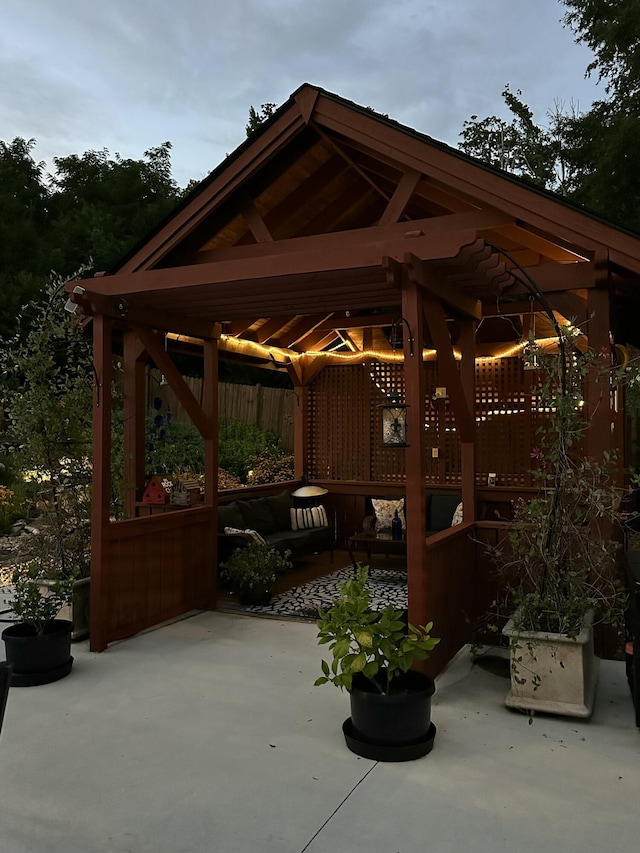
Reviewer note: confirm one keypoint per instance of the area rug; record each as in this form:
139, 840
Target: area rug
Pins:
388, 586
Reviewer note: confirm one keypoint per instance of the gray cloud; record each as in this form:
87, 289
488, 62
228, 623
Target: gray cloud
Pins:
127, 76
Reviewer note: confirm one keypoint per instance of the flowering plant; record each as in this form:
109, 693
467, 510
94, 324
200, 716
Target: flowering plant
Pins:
252, 569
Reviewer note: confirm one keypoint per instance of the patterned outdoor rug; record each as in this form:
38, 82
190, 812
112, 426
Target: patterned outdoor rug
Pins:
388, 586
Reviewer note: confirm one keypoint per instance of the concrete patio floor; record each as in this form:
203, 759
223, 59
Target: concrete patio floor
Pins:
208, 735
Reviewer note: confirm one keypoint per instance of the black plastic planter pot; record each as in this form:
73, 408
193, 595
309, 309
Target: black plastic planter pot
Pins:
38, 658
395, 727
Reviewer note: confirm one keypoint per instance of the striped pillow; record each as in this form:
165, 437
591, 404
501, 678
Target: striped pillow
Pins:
305, 518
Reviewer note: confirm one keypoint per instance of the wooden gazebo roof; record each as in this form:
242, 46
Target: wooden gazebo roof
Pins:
292, 241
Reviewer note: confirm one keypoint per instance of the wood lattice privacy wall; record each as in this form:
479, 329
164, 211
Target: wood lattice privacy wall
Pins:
345, 424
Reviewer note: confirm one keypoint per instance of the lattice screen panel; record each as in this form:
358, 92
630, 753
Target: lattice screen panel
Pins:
387, 463
503, 421
339, 424
345, 424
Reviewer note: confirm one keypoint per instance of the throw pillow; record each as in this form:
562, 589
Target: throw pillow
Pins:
251, 534
308, 517
385, 511
457, 515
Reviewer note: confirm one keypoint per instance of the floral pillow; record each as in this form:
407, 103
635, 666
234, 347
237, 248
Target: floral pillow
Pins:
457, 515
385, 511
250, 534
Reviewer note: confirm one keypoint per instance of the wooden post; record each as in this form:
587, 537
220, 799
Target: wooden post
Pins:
467, 443
415, 510
134, 403
300, 430
210, 408
600, 436
101, 483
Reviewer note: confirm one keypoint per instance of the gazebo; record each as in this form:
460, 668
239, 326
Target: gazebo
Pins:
370, 262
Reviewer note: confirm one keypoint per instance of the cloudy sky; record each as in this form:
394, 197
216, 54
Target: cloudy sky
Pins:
127, 75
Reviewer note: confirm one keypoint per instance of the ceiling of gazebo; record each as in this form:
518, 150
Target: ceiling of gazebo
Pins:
297, 241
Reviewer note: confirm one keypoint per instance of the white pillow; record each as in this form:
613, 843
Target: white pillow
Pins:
248, 532
308, 517
385, 511
457, 515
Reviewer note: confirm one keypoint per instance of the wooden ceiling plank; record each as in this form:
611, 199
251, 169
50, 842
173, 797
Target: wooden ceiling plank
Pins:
350, 322
270, 329
237, 327
300, 330
316, 341
339, 150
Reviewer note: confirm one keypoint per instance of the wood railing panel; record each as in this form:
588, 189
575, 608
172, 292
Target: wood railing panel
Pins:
156, 568
451, 592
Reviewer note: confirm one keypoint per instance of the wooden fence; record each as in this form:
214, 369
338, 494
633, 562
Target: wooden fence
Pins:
267, 408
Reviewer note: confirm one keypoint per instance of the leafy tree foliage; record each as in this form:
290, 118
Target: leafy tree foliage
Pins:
521, 146
611, 29
593, 158
93, 209
46, 391
258, 117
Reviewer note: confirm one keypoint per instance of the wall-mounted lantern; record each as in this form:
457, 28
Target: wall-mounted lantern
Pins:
394, 422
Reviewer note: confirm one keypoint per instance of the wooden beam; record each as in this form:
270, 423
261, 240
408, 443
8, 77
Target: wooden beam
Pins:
477, 220
467, 344
570, 305
435, 285
401, 197
254, 220
349, 257
93, 302
182, 391
447, 365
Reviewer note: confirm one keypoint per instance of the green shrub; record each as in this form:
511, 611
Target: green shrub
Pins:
240, 443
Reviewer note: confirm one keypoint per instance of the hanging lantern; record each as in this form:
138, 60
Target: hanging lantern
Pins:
394, 422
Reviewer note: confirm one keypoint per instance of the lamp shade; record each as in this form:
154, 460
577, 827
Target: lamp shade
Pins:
309, 492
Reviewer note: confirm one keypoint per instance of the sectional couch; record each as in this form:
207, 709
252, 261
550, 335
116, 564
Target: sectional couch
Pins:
269, 516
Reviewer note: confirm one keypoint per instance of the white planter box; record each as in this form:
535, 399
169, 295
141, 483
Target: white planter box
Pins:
553, 673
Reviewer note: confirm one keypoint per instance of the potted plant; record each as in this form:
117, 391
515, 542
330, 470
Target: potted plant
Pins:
251, 571
46, 394
560, 556
372, 656
38, 646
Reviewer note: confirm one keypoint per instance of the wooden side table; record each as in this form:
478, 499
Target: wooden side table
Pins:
375, 543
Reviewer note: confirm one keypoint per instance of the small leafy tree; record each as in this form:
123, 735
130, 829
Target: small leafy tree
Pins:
46, 393
377, 644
